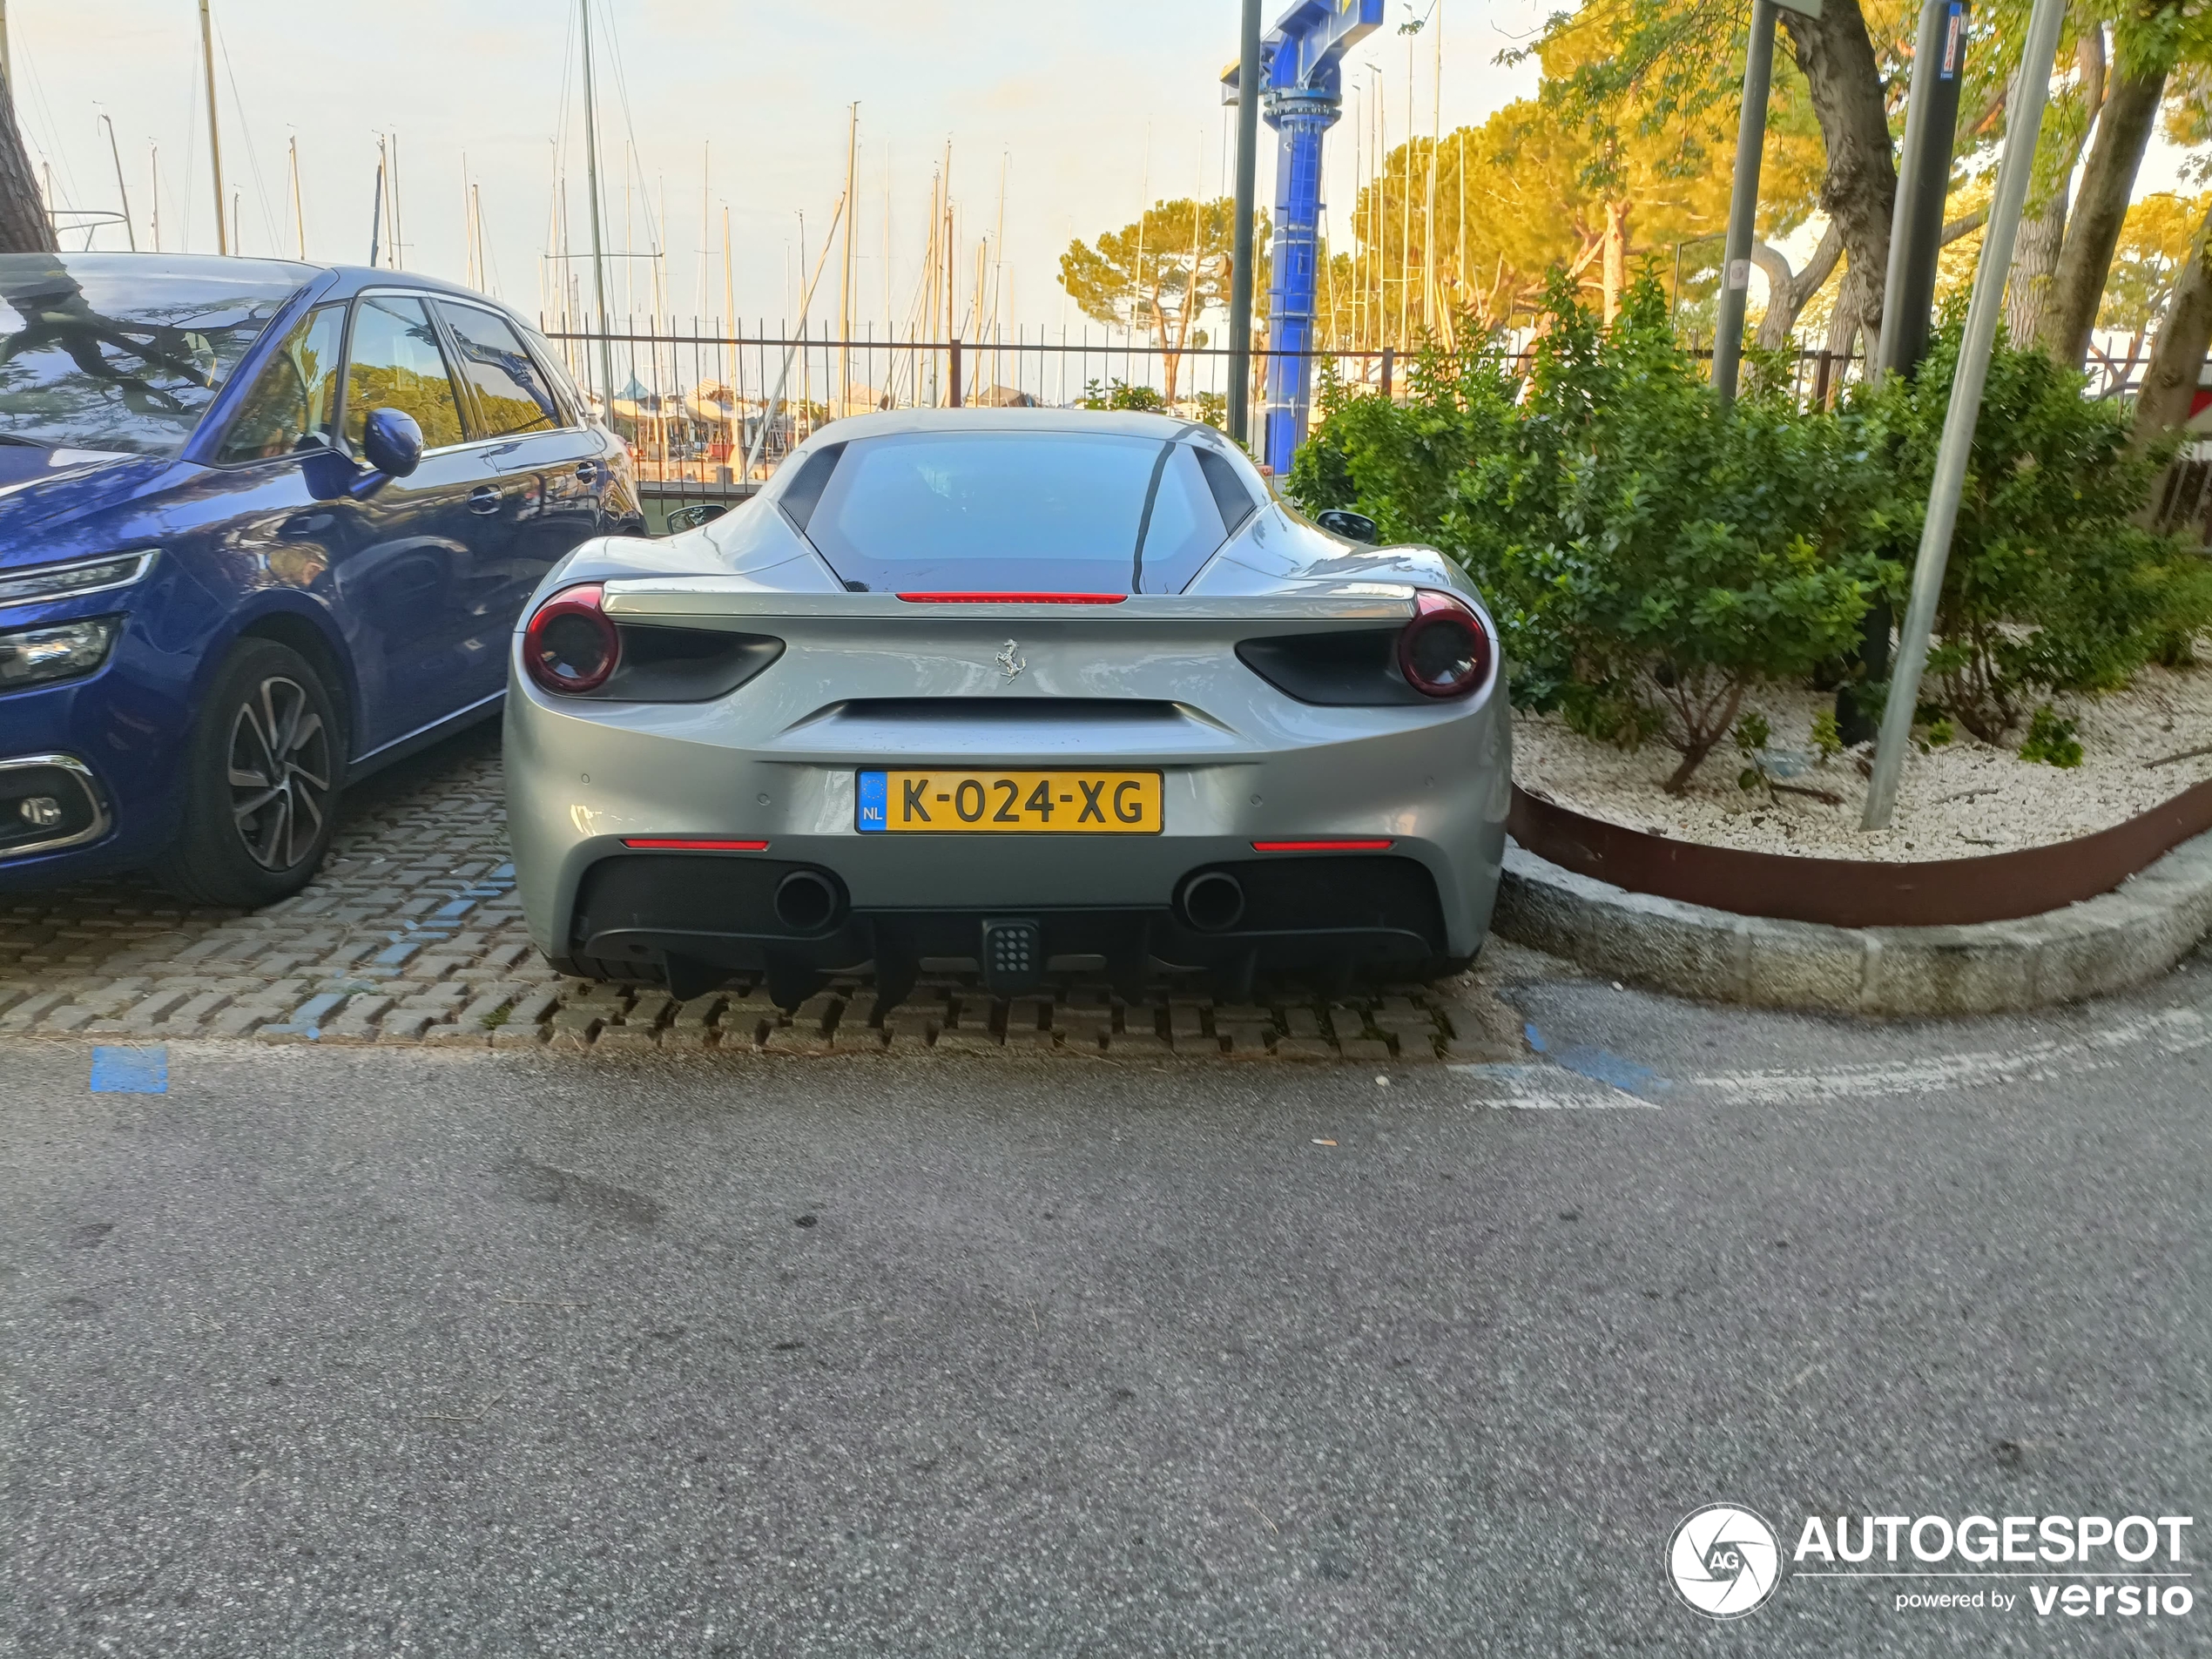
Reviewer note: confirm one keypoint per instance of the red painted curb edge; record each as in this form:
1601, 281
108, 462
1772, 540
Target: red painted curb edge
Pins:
1858, 893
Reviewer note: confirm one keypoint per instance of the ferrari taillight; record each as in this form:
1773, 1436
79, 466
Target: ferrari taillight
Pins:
1443, 651
572, 646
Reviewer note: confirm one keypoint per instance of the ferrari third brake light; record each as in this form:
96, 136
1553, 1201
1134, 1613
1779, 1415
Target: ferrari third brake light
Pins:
1013, 598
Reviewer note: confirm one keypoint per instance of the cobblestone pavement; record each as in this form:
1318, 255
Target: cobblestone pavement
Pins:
413, 934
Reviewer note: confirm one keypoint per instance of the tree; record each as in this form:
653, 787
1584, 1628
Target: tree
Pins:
2153, 248
1527, 190
1667, 61
2146, 45
1161, 274
2168, 394
24, 227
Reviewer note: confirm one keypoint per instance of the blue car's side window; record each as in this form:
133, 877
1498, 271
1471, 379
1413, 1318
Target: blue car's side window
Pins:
395, 363
511, 392
294, 403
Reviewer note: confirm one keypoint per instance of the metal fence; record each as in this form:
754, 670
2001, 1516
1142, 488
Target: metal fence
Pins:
710, 416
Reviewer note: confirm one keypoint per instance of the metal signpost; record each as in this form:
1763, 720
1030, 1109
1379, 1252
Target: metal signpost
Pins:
1240, 278
1923, 185
1743, 194
1908, 288
2025, 115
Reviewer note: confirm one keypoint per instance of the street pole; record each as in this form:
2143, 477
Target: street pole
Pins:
214, 131
1743, 202
1240, 281
1916, 227
2024, 122
1908, 288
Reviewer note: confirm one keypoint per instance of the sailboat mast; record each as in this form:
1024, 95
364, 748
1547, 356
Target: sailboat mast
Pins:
598, 240
214, 129
299, 214
844, 273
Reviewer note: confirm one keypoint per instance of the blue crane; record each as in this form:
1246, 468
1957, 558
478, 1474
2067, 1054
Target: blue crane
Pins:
1302, 91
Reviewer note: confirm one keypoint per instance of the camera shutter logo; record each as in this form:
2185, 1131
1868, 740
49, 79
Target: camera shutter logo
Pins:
1724, 1560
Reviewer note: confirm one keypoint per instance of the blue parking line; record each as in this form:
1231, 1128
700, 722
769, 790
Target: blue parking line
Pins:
1602, 1065
131, 1071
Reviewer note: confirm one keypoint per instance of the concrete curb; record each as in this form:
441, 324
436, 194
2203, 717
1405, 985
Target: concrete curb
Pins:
2108, 943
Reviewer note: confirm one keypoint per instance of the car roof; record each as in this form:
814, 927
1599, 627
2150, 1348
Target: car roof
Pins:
285, 275
213, 268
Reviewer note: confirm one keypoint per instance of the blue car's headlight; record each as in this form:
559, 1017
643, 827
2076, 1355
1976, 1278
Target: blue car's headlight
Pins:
78, 577
57, 651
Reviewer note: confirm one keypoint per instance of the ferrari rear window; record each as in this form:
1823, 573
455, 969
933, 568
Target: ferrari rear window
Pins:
1047, 512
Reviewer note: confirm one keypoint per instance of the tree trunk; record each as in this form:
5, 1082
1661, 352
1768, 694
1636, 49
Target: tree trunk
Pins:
1855, 295
1616, 256
2100, 207
1788, 294
1859, 190
2036, 256
24, 227
2042, 233
2177, 351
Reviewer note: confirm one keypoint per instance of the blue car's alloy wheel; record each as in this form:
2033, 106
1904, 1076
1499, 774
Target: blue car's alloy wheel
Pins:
261, 781
281, 774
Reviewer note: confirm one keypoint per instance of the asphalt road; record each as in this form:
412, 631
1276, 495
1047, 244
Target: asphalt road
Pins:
357, 1351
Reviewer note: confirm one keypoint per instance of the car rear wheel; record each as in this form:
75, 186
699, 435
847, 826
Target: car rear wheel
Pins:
261, 779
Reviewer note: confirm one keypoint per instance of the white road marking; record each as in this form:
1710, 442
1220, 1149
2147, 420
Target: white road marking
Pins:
1545, 1086
2170, 1030
1551, 1088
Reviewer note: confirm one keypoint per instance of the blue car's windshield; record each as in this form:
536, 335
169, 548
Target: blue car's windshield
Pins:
117, 353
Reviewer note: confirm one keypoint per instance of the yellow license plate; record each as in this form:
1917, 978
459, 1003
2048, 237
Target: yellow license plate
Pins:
1030, 803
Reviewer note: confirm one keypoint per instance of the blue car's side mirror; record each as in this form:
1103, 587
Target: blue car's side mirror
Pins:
392, 444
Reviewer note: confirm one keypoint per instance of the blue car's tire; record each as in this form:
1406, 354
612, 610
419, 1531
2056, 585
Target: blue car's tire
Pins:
262, 772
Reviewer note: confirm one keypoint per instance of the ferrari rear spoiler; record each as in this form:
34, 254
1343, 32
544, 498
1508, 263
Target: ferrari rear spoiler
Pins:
710, 601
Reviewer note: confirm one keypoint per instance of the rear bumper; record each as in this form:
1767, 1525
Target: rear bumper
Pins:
635, 911
580, 782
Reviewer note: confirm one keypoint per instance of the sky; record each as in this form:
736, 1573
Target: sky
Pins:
1089, 112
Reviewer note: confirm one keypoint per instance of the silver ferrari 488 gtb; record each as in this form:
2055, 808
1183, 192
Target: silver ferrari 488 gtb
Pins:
1013, 687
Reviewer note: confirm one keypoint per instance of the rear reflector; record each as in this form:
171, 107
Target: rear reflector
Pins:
1013, 598
690, 843
1322, 846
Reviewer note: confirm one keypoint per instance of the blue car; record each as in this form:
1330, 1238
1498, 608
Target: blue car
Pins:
264, 527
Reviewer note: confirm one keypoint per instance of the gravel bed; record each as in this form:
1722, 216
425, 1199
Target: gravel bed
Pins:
1961, 799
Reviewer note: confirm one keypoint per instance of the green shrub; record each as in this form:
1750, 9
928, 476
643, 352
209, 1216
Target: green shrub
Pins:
1400, 463
1652, 553
1123, 395
2051, 740
2052, 585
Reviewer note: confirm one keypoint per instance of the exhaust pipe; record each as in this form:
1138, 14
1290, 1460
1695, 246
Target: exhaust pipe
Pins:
807, 901
1213, 902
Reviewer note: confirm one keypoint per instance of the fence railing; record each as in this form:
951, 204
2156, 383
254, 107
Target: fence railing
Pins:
710, 416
